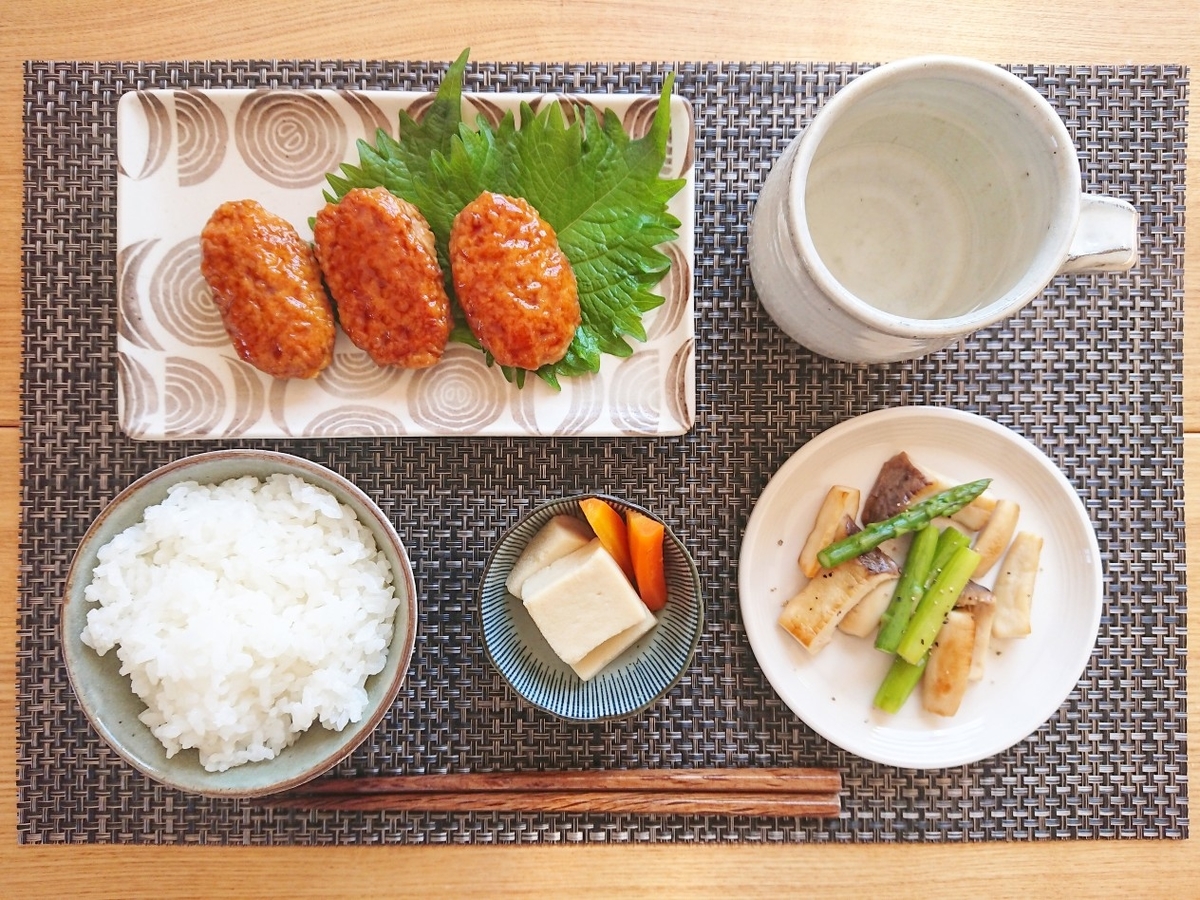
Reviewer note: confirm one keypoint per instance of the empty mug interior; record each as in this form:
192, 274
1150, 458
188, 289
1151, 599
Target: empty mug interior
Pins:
936, 196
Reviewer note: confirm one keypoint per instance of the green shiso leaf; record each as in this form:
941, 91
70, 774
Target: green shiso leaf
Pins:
599, 189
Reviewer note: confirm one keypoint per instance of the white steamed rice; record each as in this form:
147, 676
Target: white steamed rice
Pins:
243, 613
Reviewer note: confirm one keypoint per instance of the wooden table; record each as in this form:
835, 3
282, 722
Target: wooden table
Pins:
1079, 31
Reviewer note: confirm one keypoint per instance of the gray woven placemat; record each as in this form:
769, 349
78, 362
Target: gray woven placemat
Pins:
1091, 372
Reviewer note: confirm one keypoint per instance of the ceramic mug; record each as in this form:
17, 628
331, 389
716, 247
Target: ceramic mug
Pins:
928, 198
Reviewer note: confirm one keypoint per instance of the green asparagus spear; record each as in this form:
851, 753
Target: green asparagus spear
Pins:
915, 517
909, 589
899, 682
931, 612
949, 542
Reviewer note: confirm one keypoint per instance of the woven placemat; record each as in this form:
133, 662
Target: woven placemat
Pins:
1091, 372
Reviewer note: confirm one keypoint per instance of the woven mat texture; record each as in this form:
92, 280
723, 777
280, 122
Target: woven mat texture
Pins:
1091, 372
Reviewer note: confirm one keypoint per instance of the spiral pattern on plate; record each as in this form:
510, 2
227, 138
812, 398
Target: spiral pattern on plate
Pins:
290, 138
158, 139
460, 394
372, 117
277, 405
639, 117
680, 154
417, 109
524, 406
572, 106
676, 291
193, 398
632, 405
681, 151
137, 395
131, 321
249, 397
678, 389
202, 135
355, 376
585, 402
355, 421
482, 106
181, 299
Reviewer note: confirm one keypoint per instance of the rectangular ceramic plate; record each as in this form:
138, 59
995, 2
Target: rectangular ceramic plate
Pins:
183, 153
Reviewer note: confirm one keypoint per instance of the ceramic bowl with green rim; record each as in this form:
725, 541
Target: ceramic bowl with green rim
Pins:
634, 681
106, 694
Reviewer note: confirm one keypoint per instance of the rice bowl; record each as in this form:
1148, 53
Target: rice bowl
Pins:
238, 656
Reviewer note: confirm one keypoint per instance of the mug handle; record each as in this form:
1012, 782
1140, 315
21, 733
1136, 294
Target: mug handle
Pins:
1106, 238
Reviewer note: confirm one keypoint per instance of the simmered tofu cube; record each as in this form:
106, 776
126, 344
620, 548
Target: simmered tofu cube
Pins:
581, 600
554, 540
594, 662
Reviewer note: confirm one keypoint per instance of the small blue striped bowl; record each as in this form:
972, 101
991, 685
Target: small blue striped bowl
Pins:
636, 679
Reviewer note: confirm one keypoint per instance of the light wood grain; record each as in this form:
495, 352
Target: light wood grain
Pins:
1151, 31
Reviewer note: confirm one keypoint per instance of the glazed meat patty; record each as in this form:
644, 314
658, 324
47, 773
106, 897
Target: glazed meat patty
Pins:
267, 286
515, 285
380, 264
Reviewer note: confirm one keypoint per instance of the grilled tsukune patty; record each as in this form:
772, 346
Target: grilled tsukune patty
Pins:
516, 286
380, 264
267, 286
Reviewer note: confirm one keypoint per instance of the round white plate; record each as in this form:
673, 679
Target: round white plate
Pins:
1026, 680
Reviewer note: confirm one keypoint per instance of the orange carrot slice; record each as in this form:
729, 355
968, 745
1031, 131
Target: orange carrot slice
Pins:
610, 528
646, 551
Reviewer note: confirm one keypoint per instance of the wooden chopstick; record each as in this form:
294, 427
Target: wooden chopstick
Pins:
636, 802
809, 793
710, 780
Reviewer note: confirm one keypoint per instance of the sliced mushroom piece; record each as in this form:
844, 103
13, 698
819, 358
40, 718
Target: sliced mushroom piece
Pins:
980, 602
1014, 586
974, 595
840, 504
901, 483
813, 614
995, 535
948, 672
862, 619
985, 615
976, 514
897, 485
